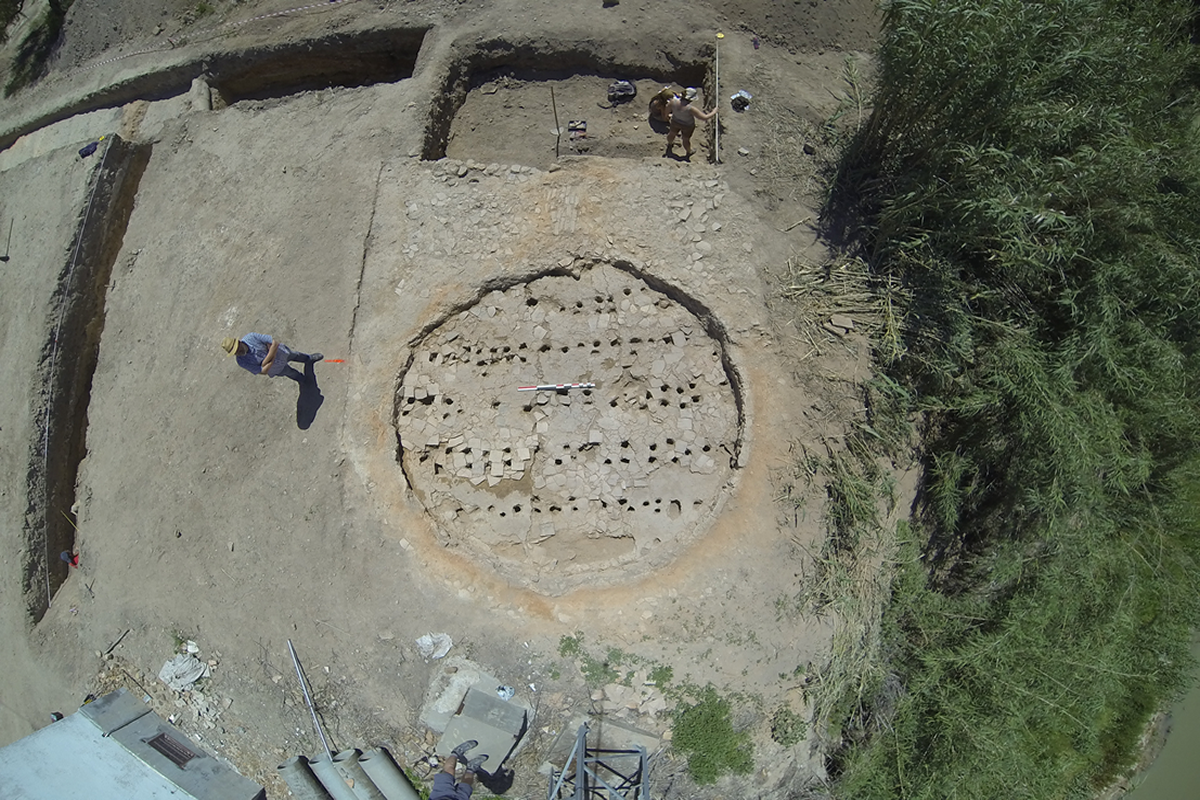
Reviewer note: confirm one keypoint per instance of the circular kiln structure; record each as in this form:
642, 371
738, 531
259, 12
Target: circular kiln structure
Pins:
578, 487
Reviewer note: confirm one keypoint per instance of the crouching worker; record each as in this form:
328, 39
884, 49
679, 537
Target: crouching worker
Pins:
261, 355
445, 787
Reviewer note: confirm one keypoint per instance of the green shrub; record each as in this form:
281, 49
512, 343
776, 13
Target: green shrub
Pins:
704, 731
787, 727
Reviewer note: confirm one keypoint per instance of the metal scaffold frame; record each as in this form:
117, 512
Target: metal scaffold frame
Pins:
600, 774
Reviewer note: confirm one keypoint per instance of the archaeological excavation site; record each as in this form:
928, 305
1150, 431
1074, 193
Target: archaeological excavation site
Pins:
544, 487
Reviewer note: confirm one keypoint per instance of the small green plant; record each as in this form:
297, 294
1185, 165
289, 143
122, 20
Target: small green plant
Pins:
417, 783
661, 675
555, 674
571, 646
203, 9
704, 731
787, 728
596, 672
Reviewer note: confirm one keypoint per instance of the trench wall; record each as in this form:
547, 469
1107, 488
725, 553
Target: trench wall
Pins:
266, 71
69, 359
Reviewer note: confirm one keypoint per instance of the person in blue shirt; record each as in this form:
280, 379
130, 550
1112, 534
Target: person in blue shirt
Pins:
259, 354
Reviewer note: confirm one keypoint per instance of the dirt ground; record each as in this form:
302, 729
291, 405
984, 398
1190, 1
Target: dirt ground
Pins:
241, 512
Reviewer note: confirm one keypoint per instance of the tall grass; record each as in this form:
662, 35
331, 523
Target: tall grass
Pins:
9, 11
1029, 175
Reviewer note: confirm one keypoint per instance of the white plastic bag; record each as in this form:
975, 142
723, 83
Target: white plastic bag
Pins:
434, 645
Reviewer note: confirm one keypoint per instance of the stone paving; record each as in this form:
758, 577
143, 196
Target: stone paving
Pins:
637, 276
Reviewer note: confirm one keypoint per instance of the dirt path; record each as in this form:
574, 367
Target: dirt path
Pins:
236, 512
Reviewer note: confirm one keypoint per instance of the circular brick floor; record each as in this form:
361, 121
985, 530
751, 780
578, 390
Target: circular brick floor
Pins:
576, 487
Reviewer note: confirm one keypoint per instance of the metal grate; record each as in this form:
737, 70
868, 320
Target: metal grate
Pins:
171, 749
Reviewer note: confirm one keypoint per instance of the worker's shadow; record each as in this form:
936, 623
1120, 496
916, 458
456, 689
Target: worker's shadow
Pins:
497, 782
310, 398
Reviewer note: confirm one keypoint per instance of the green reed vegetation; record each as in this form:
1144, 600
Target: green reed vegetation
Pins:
33, 55
1030, 175
9, 11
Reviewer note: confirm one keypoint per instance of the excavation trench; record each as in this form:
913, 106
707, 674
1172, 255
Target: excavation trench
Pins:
590, 485
515, 79
347, 60
69, 358
257, 73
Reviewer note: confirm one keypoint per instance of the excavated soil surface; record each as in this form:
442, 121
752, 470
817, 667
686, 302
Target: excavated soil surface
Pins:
407, 215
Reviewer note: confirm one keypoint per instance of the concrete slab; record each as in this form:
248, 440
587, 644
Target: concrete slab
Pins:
447, 689
496, 724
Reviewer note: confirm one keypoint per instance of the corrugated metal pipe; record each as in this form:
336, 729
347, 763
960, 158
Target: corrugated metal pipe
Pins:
387, 775
300, 779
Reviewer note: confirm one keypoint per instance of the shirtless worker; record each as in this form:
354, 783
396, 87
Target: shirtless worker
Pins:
684, 116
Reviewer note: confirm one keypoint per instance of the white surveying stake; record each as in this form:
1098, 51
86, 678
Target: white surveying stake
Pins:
555, 387
717, 102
